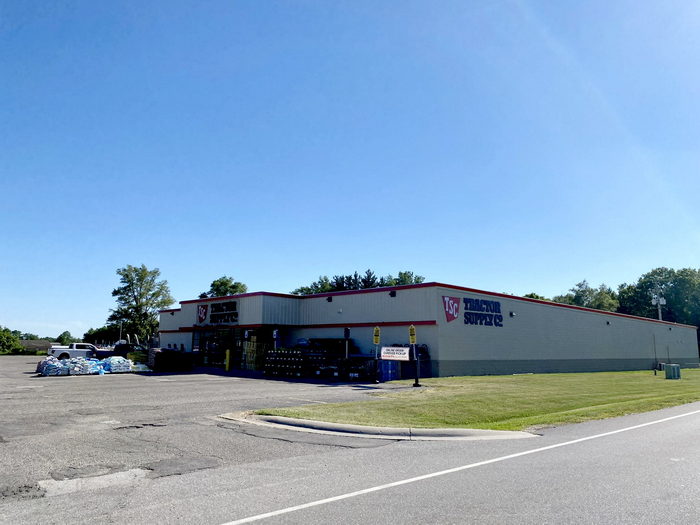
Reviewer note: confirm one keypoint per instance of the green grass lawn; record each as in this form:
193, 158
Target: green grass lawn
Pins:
510, 402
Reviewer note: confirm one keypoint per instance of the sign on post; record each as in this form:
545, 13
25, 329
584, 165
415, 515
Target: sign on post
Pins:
377, 332
412, 334
396, 353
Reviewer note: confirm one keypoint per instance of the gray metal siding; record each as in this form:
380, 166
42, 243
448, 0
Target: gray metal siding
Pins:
370, 307
280, 310
543, 337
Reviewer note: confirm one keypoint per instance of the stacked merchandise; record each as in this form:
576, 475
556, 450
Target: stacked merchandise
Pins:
116, 364
80, 366
52, 367
284, 362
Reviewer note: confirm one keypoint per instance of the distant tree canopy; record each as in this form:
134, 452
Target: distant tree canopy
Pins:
66, 338
533, 295
355, 281
9, 341
104, 335
601, 298
139, 299
680, 289
224, 286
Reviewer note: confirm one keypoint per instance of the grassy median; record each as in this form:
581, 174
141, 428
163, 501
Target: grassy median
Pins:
514, 402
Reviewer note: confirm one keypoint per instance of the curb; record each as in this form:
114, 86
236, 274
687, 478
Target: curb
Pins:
361, 431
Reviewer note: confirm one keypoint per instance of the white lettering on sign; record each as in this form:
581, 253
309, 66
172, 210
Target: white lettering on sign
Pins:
451, 308
396, 353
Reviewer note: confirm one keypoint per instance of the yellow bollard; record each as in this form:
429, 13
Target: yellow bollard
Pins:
228, 360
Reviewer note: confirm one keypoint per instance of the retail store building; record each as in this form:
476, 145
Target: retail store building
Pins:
465, 331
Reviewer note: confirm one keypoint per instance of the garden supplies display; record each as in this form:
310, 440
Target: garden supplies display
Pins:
116, 364
82, 366
51, 367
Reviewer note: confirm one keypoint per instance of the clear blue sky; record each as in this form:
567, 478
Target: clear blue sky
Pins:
512, 146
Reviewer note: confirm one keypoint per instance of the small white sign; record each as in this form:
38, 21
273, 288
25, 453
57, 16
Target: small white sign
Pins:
396, 353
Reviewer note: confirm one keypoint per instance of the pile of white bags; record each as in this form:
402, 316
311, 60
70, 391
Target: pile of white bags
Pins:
51, 367
116, 364
82, 366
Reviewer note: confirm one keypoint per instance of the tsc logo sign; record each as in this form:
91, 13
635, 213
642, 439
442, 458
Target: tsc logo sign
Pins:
451, 308
202, 313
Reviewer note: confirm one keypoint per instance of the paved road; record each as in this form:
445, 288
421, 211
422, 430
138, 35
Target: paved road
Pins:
149, 449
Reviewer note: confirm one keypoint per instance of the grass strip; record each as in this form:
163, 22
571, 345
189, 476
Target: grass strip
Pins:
510, 402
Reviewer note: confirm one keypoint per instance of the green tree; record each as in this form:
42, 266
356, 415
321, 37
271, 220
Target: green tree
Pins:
582, 294
680, 289
369, 280
323, 285
355, 281
9, 342
105, 334
408, 278
139, 298
224, 286
65, 338
533, 295
605, 298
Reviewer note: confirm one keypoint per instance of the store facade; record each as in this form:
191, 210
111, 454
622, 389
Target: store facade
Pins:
462, 330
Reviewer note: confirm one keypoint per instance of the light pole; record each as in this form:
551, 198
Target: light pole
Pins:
658, 300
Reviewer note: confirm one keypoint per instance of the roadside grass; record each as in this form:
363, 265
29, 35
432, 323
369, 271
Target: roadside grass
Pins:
514, 402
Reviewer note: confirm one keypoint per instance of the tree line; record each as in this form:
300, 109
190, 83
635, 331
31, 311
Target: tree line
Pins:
11, 340
355, 281
679, 288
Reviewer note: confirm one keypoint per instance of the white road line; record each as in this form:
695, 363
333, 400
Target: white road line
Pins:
449, 471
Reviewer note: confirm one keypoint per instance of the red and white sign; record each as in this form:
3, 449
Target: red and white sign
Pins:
396, 353
202, 313
451, 308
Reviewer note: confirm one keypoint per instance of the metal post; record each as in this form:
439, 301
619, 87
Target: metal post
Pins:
376, 363
415, 356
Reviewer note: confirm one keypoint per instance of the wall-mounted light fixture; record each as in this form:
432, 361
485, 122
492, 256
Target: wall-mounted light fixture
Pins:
329, 298
512, 314
607, 322
392, 293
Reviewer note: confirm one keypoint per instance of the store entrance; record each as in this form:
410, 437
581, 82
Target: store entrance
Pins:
212, 345
246, 347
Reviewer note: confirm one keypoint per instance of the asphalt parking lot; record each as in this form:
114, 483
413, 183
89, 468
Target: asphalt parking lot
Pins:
151, 449
77, 426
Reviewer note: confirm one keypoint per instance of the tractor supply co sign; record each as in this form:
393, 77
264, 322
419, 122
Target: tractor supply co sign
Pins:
219, 313
476, 311
396, 353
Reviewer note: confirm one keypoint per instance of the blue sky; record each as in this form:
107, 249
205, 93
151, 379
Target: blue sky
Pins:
511, 146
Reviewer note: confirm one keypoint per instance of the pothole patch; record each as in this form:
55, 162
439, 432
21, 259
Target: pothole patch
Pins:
140, 425
54, 487
179, 466
84, 472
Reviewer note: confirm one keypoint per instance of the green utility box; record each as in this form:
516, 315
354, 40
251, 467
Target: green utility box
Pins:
672, 371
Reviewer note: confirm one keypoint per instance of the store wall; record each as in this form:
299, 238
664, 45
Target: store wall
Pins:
409, 305
524, 336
